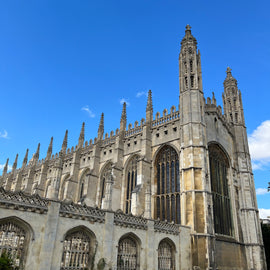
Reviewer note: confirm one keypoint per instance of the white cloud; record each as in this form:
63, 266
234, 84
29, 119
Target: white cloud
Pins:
261, 191
89, 112
259, 145
264, 213
142, 93
3, 165
4, 135
122, 100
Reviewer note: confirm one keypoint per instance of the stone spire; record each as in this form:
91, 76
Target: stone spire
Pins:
25, 158
64, 144
188, 38
232, 100
81, 138
14, 166
101, 127
149, 107
6, 167
49, 151
123, 121
189, 63
36, 155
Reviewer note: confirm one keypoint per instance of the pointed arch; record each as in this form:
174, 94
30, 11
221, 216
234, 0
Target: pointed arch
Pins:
128, 252
82, 185
105, 173
167, 181
15, 235
219, 167
78, 248
63, 186
166, 254
130, 181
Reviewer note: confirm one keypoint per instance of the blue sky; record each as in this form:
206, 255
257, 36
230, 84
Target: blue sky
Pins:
65, 62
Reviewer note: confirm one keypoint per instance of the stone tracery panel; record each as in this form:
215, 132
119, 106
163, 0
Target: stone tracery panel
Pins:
166, 260
131, 182
127, 257
167, 198
13, 240
76, 251
106, 174
219, 165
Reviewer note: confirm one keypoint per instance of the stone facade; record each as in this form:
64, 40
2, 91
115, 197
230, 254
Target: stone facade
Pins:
171, 192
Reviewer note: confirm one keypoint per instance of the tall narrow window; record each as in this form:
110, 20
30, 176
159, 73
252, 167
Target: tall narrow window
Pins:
127, 257
220, 190
167, 198
131, 182
107, 172
76, 252
166, 259
13, 242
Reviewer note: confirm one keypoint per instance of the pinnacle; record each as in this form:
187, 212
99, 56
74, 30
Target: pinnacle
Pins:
188, 36
149, 106
229, 77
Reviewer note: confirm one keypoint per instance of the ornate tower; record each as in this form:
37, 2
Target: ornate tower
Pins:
249, 216
232, 100
193, 163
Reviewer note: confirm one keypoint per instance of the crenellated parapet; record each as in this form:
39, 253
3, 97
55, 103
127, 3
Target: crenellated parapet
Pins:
211, 107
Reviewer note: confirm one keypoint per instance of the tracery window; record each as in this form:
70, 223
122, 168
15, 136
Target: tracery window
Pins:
167, 198
13, 241
107, 173
166, 259
220, 190
76, 252
131, 182
127, 257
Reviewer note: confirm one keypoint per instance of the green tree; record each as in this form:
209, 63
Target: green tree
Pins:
266, 241
6, 262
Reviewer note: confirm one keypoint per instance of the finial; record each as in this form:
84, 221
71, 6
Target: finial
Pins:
6, 167
229, 78
149, 106
101, 127
25, 158
81, 138
123, 121
65, 142
228, 71
49, 151
188, 37
15, 163
188, 27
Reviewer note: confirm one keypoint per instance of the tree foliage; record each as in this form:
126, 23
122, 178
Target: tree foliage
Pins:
6, 262
266, 241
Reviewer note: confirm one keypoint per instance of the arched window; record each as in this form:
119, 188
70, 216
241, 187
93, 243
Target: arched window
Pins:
166, 256
83, 186
13, 240
131, 182
167, 198
107, 172
219, 183
127, 257
76, 252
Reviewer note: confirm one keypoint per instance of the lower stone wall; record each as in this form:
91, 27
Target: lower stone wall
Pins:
230, 256
48, 230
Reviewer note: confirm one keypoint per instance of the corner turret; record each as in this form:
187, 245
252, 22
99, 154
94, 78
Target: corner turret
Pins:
232, 100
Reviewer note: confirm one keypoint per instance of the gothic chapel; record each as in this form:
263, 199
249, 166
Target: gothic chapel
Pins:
174, 191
